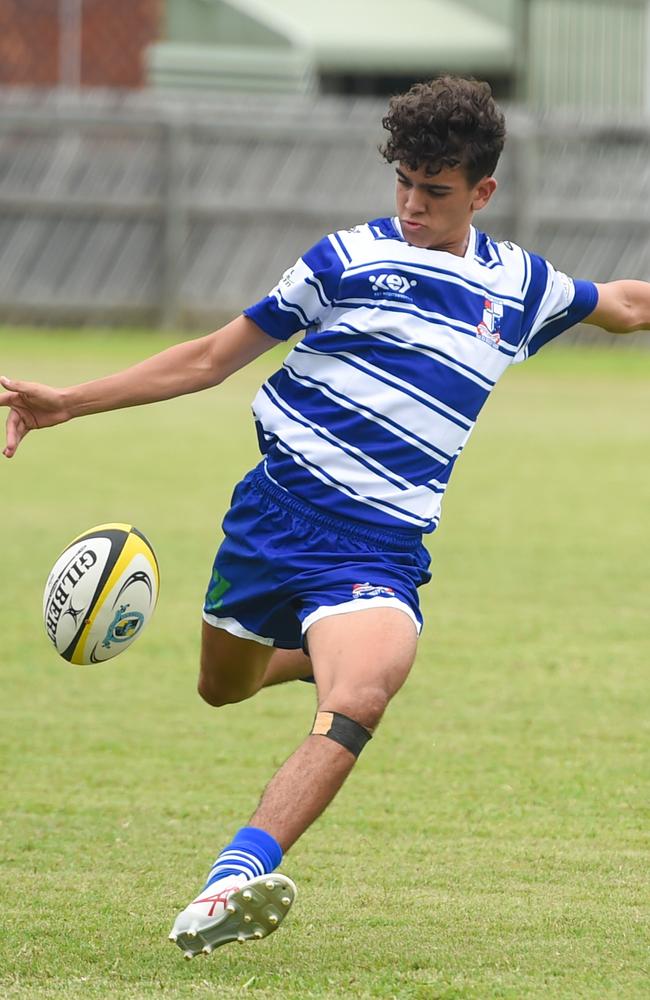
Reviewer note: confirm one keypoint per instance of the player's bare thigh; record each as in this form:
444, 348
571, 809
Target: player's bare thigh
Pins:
360, 660
233, 669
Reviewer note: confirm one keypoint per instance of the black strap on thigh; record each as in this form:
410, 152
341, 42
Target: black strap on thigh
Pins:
343, 730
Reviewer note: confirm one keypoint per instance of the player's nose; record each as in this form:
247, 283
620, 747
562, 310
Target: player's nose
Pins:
415, 202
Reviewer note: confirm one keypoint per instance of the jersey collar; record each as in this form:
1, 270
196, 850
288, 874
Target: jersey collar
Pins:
471, 242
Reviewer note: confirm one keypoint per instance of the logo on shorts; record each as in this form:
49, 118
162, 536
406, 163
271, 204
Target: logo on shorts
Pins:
217, 588
371, 590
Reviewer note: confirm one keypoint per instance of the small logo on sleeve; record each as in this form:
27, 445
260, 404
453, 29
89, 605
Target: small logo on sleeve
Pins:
567, 287
288, 278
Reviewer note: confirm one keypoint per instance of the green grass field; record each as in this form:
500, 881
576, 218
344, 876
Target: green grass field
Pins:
492, 843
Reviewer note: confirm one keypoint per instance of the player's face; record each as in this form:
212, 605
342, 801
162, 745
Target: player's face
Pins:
435, 210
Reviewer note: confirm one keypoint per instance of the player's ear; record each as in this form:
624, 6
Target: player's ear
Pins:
482, 193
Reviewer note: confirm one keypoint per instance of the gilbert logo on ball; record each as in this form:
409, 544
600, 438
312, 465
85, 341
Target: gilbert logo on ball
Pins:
101, 593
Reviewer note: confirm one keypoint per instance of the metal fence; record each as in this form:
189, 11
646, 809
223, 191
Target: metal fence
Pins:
179, 212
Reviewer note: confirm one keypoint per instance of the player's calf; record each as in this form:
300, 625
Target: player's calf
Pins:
341, 729
287, 665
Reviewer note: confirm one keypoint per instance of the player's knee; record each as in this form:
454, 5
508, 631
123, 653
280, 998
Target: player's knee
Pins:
209, 692
217, 692
365, 705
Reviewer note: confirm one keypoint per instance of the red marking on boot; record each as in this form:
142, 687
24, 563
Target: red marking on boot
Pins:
219, 897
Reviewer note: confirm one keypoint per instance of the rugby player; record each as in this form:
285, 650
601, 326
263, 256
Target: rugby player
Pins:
409, 321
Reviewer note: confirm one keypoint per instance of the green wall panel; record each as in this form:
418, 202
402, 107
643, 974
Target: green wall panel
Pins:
587, 54
205, 21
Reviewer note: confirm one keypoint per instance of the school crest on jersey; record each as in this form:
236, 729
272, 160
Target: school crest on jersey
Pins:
489, 329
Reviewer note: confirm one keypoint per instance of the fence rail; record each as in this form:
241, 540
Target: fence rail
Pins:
181, 213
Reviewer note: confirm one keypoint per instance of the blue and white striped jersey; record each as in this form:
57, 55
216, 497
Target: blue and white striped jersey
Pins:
402, 348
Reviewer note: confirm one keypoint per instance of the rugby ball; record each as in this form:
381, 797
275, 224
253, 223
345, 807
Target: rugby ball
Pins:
101, 593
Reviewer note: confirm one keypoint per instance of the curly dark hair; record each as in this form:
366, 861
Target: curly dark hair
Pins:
449, 122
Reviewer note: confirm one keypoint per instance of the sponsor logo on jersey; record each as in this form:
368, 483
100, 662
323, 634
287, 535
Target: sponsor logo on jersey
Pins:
489, 329
371, 590
391, 286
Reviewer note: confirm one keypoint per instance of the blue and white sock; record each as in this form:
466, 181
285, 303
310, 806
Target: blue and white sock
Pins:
252, 852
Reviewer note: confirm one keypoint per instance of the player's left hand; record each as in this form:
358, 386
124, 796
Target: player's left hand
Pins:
31, 406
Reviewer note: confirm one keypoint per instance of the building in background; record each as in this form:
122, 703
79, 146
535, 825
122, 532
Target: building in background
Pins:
89, 43
592, 54
338, 46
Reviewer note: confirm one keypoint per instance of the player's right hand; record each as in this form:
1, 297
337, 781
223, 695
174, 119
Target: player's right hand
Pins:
31, 406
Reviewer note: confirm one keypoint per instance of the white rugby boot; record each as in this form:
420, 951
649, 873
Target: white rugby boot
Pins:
233, 909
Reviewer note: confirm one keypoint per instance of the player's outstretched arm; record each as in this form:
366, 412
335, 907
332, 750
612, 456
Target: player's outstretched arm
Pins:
623, 307
181, 369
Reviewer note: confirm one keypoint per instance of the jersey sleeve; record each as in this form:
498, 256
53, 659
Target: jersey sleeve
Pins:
303, 295
553, 303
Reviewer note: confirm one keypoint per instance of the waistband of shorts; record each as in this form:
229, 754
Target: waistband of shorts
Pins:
393, 538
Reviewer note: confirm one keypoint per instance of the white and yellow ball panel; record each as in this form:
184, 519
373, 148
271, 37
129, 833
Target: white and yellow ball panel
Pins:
101, 593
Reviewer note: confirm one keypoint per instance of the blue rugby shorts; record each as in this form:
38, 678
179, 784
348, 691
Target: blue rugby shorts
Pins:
284, 565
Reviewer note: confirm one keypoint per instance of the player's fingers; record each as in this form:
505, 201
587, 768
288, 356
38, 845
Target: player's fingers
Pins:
9, 398
18, 392
16, 431
11, 435
30, 397
14, 394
